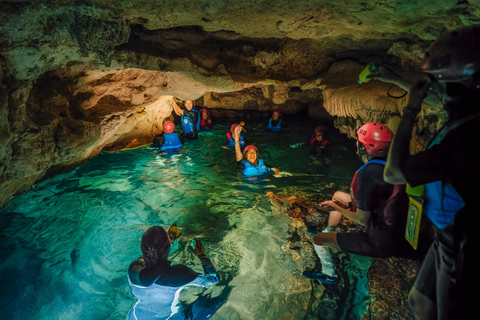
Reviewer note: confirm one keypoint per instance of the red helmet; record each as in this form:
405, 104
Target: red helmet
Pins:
233, 126
376, 138
454, 55
249, 147
277, 111
203, 110
168, 127
320, 129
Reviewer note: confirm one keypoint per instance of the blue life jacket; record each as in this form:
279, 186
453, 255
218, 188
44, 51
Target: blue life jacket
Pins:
254, 171
277, 128
188, 126
231, 141
442, 200
171, 141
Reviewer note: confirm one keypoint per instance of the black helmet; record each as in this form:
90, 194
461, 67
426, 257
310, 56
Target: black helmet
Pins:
454, 56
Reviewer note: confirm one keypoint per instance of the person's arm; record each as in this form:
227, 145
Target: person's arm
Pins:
385, 74
400, 147
236, 138
176, 108
199, 251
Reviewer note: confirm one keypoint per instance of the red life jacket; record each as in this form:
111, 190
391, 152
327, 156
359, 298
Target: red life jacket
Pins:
354, 184
206, 122
324, 142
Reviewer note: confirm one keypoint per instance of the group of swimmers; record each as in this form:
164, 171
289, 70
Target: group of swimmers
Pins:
389, 194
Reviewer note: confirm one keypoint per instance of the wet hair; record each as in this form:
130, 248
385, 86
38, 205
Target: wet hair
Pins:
155, 246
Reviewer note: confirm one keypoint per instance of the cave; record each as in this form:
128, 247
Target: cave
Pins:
88, 82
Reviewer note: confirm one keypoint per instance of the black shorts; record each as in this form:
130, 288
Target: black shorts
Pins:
377, 243
435, 278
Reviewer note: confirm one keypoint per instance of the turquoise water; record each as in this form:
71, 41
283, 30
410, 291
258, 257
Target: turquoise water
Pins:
66, 244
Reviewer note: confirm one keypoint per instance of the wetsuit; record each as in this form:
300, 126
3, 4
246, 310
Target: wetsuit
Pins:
449, 273
159, 300
384, 233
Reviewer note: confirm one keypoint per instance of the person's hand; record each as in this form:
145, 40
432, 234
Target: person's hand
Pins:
236, 133
329, 203
383, 74
277, 172
199, 249
418, 92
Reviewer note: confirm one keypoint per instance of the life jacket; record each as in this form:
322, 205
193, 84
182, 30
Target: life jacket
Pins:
250, 170
442, 201
322, 145
206, 122
188, 126
276, 128
354, 184
231, 141
171, 141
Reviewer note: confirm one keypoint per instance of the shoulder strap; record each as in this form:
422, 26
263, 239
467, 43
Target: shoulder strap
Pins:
377, 161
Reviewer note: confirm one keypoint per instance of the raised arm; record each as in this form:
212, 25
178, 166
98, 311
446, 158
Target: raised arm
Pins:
236, 137
400, 148
176, 108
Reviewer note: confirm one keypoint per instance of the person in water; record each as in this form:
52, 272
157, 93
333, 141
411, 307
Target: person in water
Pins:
190, 118
367, 206
231, 141
169, 139
205, 119
276, 122
157, 284
319, 141
447, 283
248, 159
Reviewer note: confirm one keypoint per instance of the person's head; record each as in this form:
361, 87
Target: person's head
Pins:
204, 113
155, 246
189, 104
168, 127
453, 62
276, 114
250, 154
373, 141
233, 126
320, 133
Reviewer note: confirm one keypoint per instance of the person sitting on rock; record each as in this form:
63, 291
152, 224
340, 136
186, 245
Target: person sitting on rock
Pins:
319, 141
370, 196
168, 139
205, 119
190, 118
248, 159
231, 141
276, 122
157, 284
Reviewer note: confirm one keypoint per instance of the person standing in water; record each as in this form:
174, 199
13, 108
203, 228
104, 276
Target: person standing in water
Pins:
190, 118
319, 142
231, 141
205, 119
248, 159
169, 139
157, 284
276, 122
366, 205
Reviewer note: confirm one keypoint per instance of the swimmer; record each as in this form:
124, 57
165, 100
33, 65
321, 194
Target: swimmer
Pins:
249, 159
190, 118
156, 283
231, 142
205, 120
173, 233
276, 123
169, 139
319, 141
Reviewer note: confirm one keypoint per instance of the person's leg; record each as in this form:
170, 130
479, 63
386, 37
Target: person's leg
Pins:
423, 307
322, 242
334, 219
